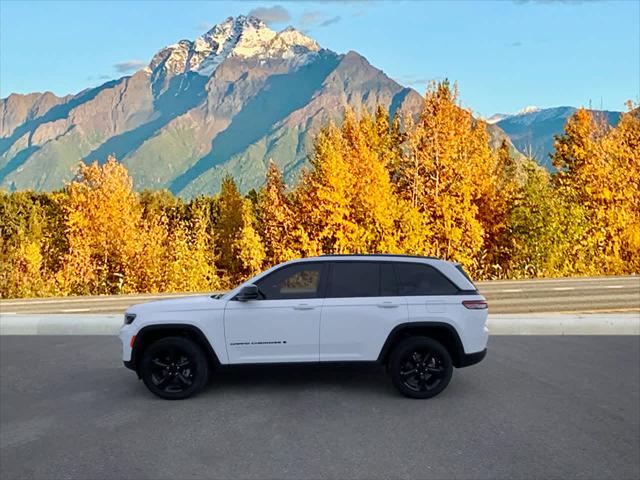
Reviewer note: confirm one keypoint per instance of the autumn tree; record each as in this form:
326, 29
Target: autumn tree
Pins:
598, 169
544, 230
282, 233
191, 265
241, 253
622, 147
32, 243
446, 174
501, 189
102, 219
346, 201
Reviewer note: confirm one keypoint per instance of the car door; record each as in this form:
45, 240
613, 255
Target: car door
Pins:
283, 325
360, 309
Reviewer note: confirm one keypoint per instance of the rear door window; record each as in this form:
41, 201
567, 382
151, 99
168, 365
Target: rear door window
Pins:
388, 283
419, 279
354, 279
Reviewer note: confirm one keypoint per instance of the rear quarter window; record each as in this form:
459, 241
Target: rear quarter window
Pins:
462, 271
416, 279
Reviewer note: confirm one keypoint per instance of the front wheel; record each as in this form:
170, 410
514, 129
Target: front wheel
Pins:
174, 368
420, 367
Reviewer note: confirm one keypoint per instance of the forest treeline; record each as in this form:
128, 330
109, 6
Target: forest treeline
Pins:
430, 186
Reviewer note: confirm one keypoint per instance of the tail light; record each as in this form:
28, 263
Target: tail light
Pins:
475, 304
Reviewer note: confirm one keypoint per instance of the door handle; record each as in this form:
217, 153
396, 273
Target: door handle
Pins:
387, 305
303, 306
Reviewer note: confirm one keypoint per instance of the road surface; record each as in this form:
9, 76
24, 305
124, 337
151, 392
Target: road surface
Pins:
536, 407
576, 295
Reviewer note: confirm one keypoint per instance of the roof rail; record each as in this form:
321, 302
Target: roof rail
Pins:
377, 255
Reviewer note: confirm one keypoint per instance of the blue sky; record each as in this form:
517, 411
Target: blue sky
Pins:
504, 54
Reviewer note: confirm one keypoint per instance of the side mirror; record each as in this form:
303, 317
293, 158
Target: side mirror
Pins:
248, 292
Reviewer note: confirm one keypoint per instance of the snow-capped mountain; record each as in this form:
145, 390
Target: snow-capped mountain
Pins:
223, 103
245, 37
497, 117
532, 129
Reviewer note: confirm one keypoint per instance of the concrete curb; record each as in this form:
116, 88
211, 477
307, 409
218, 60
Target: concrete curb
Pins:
565, 324
60, 324
499, 324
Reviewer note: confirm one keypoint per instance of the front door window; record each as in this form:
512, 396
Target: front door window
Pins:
293, 282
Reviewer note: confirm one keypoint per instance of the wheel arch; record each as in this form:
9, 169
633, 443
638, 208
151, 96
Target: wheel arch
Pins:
151, 333
442, 332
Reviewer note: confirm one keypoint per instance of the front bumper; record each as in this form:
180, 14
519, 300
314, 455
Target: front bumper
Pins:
126, 333
469, 359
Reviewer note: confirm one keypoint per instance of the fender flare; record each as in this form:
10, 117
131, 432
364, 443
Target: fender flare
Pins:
190, 329
397, 332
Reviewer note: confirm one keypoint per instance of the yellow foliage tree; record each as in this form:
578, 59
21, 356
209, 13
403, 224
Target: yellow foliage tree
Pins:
190, 260
151, 261
598, 169
447, 174
347, 203
241, 250
622, 145
281, 232
495, 202
102, 219
30, 243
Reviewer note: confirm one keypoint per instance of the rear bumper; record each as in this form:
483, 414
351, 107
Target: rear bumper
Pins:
129, 364
469, 359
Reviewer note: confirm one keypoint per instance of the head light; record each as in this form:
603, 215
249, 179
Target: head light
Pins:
129, 318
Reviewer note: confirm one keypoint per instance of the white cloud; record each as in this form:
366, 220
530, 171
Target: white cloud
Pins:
413, 80
275, 14
316, 18
129, 66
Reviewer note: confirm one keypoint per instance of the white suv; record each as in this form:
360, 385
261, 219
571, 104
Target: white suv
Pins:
419, 316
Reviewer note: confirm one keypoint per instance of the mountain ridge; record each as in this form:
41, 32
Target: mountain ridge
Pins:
224, 103
532, 131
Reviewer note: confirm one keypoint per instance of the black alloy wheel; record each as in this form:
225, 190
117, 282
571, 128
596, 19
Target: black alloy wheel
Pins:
421, 367
174, 368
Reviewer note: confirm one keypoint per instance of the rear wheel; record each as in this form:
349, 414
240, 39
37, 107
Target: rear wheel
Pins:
420, 367
174, 368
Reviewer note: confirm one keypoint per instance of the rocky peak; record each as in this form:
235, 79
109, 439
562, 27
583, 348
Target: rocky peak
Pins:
242, 36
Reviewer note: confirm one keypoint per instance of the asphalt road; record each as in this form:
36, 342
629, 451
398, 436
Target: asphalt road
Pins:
574, 295
537, 407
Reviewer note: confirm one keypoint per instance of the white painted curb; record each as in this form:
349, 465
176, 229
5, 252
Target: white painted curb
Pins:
565, 324
61, 324
499, 324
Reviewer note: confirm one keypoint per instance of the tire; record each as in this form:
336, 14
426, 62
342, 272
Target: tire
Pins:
174, 368
420, 367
